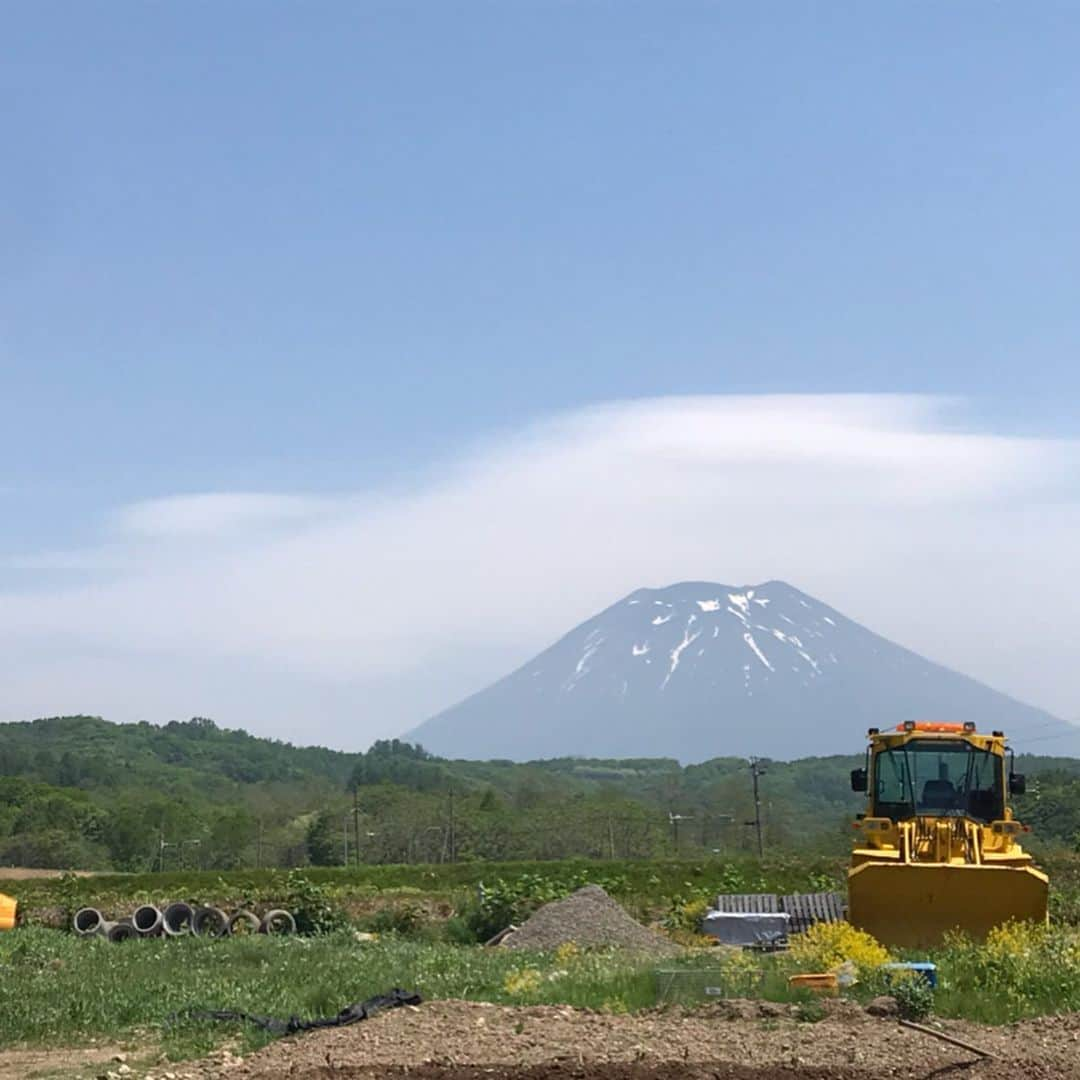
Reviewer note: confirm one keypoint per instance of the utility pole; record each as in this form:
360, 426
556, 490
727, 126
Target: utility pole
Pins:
452, 838
197, 844
756, 771
165, 845
356, 819
675, 819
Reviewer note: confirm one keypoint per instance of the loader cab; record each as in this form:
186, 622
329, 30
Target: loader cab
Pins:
938, 771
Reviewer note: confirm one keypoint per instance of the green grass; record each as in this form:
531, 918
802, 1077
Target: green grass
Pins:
58, 989
653, 877
644, 886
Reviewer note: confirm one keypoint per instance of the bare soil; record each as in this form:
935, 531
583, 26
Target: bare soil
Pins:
26, 873
456, 1040
24, 1063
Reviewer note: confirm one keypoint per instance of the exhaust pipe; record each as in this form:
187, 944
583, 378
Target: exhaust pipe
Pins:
147, 920
176, 919
278, 922
210, 922
87, 922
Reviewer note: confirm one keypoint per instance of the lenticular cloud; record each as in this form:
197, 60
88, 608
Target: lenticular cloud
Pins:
382, 605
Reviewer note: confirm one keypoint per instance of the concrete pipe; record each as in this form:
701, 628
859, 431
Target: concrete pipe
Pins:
244, 922
87, 921
210, 922
118, 931
278, 922
147, 920
176, 919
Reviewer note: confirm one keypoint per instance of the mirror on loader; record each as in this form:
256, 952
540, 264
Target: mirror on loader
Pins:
1017, 783
858, 780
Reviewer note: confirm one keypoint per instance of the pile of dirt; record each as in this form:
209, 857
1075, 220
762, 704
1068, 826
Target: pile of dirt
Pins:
589, 918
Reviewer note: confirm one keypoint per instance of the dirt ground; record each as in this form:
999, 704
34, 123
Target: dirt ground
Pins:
84, 1061
454, 1040
26, 873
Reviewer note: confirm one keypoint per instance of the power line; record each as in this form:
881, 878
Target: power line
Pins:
1050, 738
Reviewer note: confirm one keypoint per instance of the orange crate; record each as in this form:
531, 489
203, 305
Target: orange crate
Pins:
825, 983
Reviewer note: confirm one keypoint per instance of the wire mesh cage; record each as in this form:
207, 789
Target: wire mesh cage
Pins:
694, 985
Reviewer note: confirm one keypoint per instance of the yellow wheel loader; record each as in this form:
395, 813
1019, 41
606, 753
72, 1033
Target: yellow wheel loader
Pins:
938, 849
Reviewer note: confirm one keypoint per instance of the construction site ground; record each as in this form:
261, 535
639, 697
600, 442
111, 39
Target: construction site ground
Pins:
731, 1040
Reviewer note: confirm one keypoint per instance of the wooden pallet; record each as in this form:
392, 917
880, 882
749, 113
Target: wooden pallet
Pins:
748, 903
806, 909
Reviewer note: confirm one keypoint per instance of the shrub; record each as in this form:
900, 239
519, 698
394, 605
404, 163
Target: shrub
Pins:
407, 919
1022, 969
686, 913
810, 1010
567, 953
310, 904
505, 903
914, 995
524, 981
827, 946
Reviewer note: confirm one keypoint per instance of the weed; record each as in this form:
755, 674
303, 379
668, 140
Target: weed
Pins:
408, 919
809, 1011
687, 913
827, 946
914, 996
310, 904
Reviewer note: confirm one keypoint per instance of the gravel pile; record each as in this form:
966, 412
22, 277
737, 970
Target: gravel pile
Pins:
588, 917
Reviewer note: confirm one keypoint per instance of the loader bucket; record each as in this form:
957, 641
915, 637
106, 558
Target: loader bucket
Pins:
914, 905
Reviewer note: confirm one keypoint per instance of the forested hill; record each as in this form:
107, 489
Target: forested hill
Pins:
79, 792
89, 752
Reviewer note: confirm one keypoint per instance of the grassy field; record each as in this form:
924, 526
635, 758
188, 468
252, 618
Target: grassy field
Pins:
430, 893
631, 877
648, 888
59, 989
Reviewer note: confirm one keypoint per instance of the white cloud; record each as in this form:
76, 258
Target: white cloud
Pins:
377, 607
216, 514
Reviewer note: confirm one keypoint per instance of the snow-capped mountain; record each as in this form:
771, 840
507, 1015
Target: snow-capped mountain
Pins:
699, 670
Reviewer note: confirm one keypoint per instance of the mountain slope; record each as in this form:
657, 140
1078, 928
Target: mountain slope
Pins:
699, 670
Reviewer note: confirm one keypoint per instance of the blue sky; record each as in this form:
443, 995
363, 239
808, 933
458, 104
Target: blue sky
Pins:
330, 251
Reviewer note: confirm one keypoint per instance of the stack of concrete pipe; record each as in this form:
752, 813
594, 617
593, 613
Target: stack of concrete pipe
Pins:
178, 920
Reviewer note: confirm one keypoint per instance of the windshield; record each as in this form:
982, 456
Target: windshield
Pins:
939, 778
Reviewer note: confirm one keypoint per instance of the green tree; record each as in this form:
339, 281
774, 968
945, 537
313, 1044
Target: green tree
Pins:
322, 841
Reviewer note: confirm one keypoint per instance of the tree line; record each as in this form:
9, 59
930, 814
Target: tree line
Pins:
78, 792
